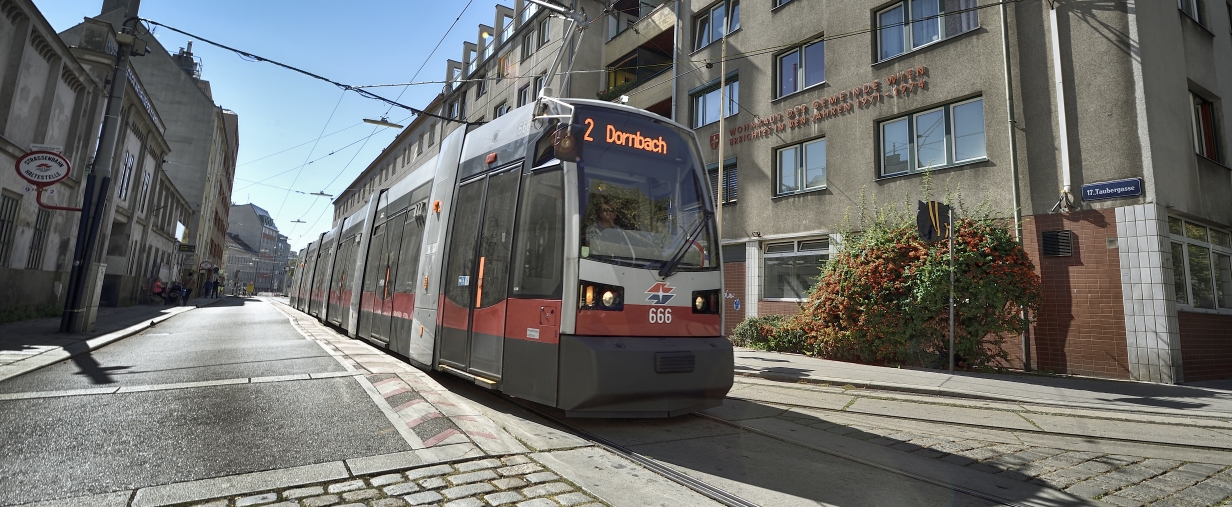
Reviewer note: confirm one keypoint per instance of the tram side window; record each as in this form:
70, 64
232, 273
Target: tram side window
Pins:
376, 268
539, 241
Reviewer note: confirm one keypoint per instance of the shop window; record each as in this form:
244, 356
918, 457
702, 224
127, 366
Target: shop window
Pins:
707, 103
730, 181
912, 24
1206, 140
801, 68
35, 260
801, 167
1201, 265
1195, 9
948, 135
791, 268
9, 206
714, 22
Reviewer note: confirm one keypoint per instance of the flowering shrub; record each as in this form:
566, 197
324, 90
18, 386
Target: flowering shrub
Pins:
884, 299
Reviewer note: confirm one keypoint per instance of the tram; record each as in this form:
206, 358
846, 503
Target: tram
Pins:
564, 253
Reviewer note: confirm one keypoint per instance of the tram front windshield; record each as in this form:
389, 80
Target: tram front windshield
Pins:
642, 202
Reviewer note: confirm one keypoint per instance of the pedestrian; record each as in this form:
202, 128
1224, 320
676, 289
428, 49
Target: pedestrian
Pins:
252, 289
157, 289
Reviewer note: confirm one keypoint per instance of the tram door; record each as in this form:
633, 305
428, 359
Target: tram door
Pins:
477, 274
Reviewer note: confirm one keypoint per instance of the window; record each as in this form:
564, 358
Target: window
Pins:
472, 61
126, 175
432, 134
711, 25
944, 136
1201, 265
1196, 9
419, 146
730, 187
780, 3
801, 167
507, 31
528, 45
706, 103
544, 35
500, 110
452, 109
523, 95
537, 87
914, 23
462, 106
489, 44
481, 87
145, 190
9, 206
792, 267
801, 68
502, 66
528, 11
1205, 138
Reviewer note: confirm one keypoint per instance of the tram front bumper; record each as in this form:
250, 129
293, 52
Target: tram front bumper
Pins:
602, 376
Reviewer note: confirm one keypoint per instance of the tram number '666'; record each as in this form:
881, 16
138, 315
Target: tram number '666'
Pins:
660, 315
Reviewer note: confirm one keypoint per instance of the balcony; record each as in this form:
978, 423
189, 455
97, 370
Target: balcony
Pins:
656, 29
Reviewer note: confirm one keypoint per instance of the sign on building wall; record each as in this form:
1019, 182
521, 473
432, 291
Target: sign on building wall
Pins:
42, 168
1112, 189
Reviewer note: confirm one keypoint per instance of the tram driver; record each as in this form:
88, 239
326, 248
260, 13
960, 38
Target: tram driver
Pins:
604, 236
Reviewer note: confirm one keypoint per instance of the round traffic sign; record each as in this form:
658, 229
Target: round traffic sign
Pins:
207, 265
42, 168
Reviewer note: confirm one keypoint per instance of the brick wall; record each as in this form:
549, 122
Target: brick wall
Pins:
1080, 328
777, 308
733, 285
1206, 346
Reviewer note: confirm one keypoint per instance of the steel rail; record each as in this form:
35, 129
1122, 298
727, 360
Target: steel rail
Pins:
1001, 428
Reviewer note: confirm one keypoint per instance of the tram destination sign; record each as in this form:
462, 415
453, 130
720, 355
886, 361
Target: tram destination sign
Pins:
1112, 189
42, 168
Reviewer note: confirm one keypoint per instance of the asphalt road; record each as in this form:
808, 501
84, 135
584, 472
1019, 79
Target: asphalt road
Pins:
80, 444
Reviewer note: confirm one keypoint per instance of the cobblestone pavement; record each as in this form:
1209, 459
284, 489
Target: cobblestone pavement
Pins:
1113, 478
514, 480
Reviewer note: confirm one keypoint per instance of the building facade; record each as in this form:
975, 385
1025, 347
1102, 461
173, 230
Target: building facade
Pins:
256, 228
48, 99
1107, 120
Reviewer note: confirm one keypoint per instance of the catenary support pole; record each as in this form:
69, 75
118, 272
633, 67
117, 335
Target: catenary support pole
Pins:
1013, 138
81, 281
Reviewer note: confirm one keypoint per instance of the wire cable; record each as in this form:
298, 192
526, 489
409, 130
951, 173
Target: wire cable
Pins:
309, 156
360, 91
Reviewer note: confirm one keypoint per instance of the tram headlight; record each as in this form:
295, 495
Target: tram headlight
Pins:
707, 301
599, 296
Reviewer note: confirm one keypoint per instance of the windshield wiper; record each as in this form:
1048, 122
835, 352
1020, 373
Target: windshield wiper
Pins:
669, 266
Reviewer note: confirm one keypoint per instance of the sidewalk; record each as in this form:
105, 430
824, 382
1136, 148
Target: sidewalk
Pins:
28, 345
1213, 399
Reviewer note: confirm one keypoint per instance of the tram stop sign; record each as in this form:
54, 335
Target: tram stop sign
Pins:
43, 168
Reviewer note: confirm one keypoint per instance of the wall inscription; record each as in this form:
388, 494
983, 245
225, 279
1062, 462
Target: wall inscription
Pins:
841, 103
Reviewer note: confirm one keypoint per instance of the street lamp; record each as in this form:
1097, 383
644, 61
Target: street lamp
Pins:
383, 122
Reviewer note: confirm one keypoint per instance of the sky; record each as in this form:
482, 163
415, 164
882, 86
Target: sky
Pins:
288, 119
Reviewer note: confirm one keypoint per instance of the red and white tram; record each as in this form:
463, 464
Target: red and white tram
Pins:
569, 259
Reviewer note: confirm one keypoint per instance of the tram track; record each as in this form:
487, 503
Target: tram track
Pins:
989, 427
716, 493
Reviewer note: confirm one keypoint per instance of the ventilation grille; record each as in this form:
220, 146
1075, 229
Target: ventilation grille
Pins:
1058, 244
674, 362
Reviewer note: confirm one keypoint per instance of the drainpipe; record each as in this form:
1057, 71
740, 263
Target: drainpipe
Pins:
1066, 201
1009, 108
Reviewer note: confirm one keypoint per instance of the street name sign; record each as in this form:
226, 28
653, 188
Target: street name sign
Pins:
1112, 189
